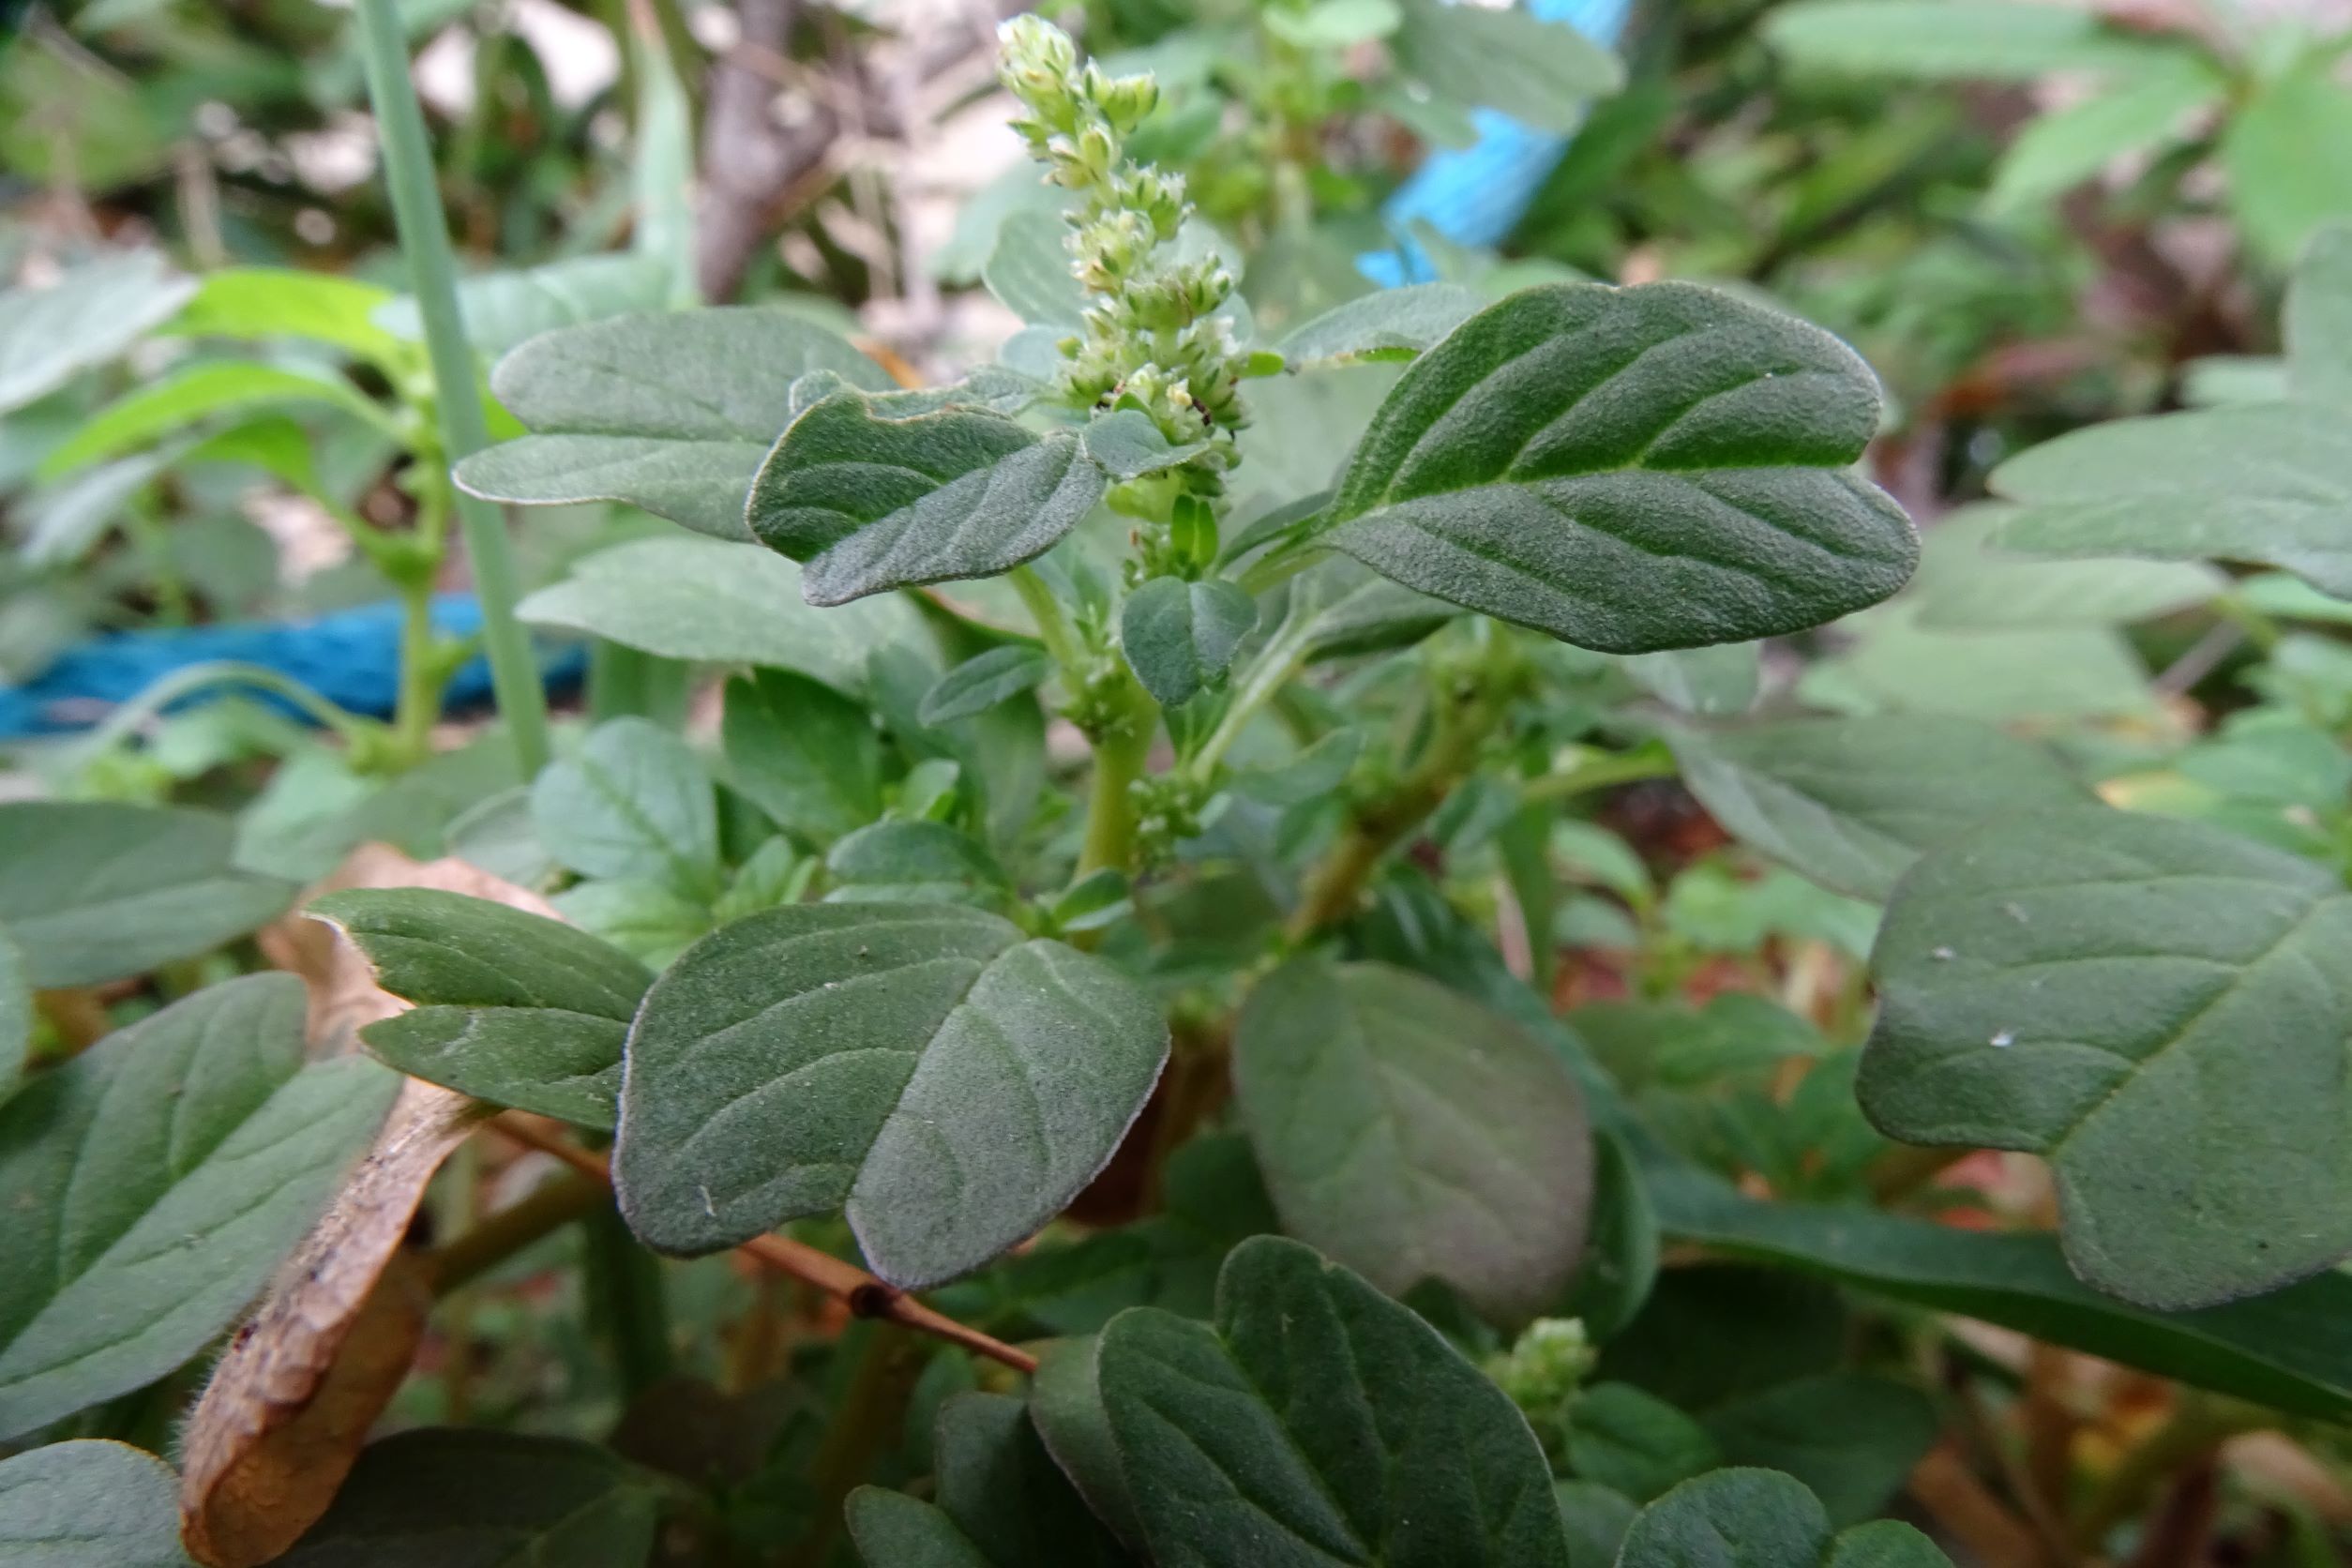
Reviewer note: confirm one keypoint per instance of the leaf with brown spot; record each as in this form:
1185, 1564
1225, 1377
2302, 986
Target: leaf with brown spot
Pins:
289, 1407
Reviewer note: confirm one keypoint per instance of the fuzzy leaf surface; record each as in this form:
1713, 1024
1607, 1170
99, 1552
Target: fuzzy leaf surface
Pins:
2153, 1007
1411, 1134
949, 1083
1629, 470
93, 891
89, 1506
149, 1186
671, 413
511, 1007
1317, 1422
1852, 801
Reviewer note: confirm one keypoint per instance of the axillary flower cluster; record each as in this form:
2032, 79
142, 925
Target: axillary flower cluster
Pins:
1153, 337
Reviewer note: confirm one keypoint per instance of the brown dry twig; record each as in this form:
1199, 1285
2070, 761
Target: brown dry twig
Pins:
861, 1292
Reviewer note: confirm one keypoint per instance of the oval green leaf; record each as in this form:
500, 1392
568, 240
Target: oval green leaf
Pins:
89, 1506
671, 413
1760, 1518
149, 1186
950, 1084
2155, 1007
1319, 1422
1411, 1134
93, 891
1629, 470
1852, 801
511, 1007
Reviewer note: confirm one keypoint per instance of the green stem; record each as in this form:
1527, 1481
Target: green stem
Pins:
1375, 829
1053, 626
1121, 750
626, 1304
1276, 664
464, 429
353, 730
514, 1228
419, 700
1601, 772
628, 683
870, 1408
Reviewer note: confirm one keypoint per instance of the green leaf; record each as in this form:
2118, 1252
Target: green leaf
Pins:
2264, 483
892, 1059
149, 1186
1394, 324
2153, 1007
89, 1506
1540, 72
983, 681
1126, 444
511, 1007
906, 861
1621, 1259
842, 465
64, 521
1629, 468
93, 891
894, 1530
1335, 24
645, 920
1027, 270
1633, 1442
1596, 1520
987, 521
1852, 1439
2290, 1349
803, 753
179, 401
709, 602
1181, 637
1316, 771
1319, 1422
635, 802
93, 313
16, 1014
1965, 583
2044, 672
1760, 1518
1852, 801
1065, 1403
258, 304
441, 1497
2155, 103
1723, 679
671, 413
505, 308
1413, 1135
1000, 1500
1994, 40
2289, 156
2317, 322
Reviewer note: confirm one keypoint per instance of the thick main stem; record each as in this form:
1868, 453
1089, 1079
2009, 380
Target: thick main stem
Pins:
1122, 751
464, 429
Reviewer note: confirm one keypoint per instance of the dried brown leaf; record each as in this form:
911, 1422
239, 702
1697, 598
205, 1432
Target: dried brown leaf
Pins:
289, 1407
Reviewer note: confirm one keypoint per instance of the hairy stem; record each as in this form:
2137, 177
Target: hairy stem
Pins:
464, 429
1122, 751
